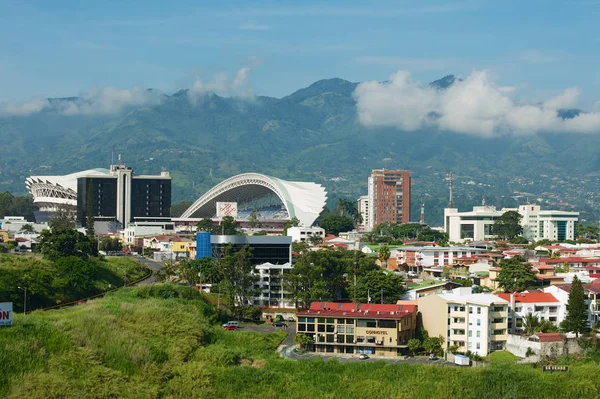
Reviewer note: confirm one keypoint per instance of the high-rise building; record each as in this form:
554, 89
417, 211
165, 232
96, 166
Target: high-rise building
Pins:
363, 210
124, 197
389, 197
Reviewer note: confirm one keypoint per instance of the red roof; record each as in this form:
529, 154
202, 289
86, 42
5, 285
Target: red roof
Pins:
549, 337
571, 259
359, 310
20, 239
544, 267
530, 297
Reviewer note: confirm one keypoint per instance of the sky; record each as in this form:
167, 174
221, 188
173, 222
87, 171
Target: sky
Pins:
538, 49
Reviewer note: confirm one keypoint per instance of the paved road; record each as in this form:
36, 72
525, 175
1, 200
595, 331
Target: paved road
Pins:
153, 265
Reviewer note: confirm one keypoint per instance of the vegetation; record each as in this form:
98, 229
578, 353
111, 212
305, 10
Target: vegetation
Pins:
16, 206
395, 234
67, 279
532, 324
58, 243
508, 226
166, 342
516, 274
577, 311
334, 224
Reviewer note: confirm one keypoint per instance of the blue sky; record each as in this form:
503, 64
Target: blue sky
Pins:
63, 48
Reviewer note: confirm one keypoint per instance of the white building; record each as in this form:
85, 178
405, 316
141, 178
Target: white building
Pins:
478, 224
474, 322
363, 210
544, 305
303, 234
133, 231
436, 256
592, 293
551, 225
270, 286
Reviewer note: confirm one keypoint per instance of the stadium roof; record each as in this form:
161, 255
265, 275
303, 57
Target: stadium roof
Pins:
303, 200
51, 191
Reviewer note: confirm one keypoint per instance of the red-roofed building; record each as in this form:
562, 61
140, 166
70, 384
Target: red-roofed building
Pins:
592, 293
544, 305
374, 329
548, 337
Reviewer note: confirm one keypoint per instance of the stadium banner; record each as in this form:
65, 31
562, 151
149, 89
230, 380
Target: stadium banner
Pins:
6, 313
227, 209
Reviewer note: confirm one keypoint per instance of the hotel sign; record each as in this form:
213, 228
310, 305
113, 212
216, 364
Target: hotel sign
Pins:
376, 332
6, 313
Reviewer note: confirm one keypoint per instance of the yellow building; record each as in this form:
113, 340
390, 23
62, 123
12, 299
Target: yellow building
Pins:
382, 330
473, 322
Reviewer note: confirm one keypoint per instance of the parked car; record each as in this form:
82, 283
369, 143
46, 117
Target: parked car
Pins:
231, 323
291, 319
230, 328
363, 356
278, 323
432, 356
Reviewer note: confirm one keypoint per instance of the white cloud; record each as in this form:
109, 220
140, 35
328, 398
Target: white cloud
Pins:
224, 84
23, 108
475, 106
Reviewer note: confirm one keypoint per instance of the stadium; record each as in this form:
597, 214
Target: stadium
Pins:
276, 201
53, 192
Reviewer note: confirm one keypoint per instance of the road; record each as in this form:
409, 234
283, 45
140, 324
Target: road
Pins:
153, 265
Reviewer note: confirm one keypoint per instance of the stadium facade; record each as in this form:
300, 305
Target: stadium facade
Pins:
302, 200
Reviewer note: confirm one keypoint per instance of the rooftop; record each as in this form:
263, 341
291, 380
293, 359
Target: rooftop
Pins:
530, 297
359, 310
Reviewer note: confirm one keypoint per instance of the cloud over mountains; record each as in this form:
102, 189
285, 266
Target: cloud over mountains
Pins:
475, 105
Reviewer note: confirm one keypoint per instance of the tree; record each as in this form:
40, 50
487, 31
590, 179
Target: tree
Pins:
383, 254
62, 218
303, 340
588, 231
109, 244
315, 239
377, 283
531, 324
434, 345
205, 224
237, 274
576, 319
228, 226
90, 230
508, 226
27, 228
64, 243
516, 274
293, 222
427, 234
253, 218
334, 224
413, 345
180, 207
73, 275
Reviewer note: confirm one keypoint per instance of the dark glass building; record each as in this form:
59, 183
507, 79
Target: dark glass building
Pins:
124, 197
274, 249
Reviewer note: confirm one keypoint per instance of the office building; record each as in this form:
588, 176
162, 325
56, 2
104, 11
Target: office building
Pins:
388, 198
124, 197
374, 329
265, 249
538, 224
473, 322
306, 234
269, 286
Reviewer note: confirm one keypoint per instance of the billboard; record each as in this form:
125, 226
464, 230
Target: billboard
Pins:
6, 313
227, 209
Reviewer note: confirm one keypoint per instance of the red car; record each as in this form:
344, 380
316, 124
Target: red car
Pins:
230, 328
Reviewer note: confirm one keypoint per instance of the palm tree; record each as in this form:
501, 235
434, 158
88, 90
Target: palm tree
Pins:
342, 206
531, 324
384, 254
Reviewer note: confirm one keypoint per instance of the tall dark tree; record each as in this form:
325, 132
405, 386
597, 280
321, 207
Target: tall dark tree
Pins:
334, 224
62, 218
63, 243
377, 283
237, 275
205, 224
516, 274
508, 226
293, 222
253, 221
228, 226
576, 319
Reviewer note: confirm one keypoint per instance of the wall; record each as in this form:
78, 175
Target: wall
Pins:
517, 345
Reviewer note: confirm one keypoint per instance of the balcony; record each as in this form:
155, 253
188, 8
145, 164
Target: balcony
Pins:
499, 326
498, 315
500, 337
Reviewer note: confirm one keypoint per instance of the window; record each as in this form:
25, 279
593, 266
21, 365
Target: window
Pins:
301, 327
478, 334
341, 329
341, 321
470, 309
478, 345
321, 320
478, 309
330, 321
310, 327
387, 323
349, 329
470, 334
321, 328
330, 328
478, 322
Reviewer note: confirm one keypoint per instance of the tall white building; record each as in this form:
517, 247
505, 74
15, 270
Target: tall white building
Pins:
538, 224
270, 285
474, 322
304, 234
363, 210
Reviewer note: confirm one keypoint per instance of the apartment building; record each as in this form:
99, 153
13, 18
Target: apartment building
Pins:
388, 197
473, 322
374, 329
421, 257
544, 305
363, 210
269, 286
592, 292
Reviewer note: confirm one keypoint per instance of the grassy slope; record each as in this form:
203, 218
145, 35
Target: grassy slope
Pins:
162, 342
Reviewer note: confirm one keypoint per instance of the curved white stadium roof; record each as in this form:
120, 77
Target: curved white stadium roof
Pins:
303, 200
52, 191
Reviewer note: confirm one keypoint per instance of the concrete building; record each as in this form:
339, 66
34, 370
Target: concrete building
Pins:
592, 292
304, 234
544, 305
388, 198
270, 286
381, 330
273, 249
474, 322
421, 257
363, 210
538, 224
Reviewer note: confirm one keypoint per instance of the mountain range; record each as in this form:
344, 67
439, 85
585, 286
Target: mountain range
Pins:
313, 134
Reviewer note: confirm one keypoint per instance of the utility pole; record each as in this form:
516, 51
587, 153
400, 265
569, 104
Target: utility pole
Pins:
382, 295
24, 300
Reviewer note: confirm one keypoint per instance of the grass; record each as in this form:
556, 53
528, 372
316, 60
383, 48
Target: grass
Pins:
165, 341
502, 357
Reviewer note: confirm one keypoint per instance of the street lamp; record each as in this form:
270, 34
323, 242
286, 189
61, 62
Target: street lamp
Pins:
24, 299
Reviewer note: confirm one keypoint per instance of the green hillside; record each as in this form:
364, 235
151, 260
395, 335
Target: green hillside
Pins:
165, 342
312, 134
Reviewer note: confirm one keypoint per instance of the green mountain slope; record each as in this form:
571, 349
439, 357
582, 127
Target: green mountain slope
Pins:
311, 134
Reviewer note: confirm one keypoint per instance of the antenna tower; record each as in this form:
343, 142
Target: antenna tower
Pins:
451, 205
422, 220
